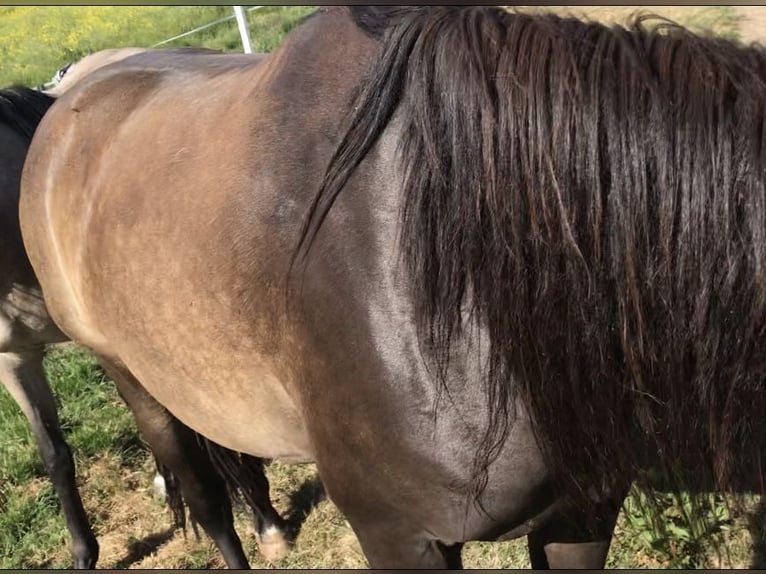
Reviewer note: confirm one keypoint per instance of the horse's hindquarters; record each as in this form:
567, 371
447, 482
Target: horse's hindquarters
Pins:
134, 234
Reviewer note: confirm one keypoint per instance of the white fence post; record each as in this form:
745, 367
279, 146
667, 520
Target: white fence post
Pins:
244, 30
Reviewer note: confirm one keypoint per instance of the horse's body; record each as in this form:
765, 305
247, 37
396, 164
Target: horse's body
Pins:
26, 329
171, 218
219, 353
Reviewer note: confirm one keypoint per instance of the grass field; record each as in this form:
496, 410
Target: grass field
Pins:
37, 41
114, 468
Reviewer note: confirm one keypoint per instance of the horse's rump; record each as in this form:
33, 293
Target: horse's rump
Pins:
201, 136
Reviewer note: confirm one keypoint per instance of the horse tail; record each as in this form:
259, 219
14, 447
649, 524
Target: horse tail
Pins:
23, 108
244, 475
597, 196
172, 494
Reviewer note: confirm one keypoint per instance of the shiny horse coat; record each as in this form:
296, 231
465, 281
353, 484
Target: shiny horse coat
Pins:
26, 329
475, 271
189, 183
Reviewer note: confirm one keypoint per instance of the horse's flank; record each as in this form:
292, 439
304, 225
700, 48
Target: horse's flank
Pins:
225, 117
26, 327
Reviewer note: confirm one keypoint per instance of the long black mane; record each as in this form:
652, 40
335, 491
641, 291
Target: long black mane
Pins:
596, 194
22, 109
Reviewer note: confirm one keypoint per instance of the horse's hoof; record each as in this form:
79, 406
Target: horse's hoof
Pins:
84, 564
272, 544
85, 559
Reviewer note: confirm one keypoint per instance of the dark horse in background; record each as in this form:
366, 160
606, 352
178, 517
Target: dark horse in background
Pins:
26, 329
533, 268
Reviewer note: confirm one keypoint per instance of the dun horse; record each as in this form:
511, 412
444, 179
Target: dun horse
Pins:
534, 266
27, 329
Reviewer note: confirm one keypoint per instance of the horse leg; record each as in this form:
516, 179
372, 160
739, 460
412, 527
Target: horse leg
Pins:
177, 447
271, 528
23, 375
248, 474
414, 551
576, 539
393, 545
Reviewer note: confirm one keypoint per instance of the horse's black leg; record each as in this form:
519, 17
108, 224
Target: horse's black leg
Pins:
22, 374
553, 555
575, 540
177, 447
454, 556
389, 539
410, 552
247, 475
271, 528
395, 545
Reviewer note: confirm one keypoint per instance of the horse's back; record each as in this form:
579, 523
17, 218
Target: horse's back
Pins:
74, 74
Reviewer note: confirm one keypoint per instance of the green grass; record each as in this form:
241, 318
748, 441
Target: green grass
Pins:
31, 528
114, 468
36, 41
91, 416
268, 26
95, 421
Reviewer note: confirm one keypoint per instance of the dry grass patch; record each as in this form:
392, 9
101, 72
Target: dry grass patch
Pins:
719, 20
